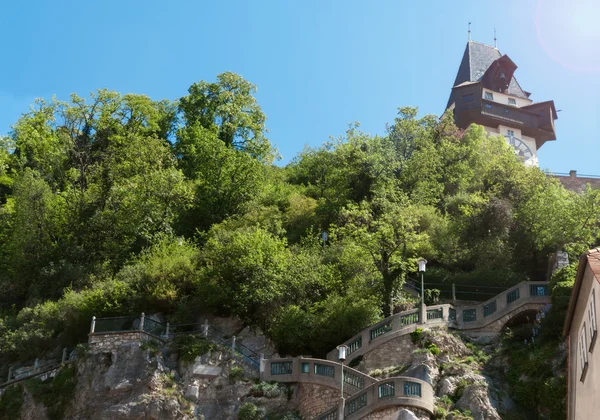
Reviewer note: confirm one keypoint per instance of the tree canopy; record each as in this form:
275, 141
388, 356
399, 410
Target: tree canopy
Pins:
120, 203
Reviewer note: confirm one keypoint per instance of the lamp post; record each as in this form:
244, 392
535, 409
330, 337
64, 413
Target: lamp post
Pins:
422, 263
341, 357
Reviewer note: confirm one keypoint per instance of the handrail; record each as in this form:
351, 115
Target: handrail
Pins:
480, 315
321, 371
391, 392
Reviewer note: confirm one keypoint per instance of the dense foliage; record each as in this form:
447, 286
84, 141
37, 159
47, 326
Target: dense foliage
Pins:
118, 204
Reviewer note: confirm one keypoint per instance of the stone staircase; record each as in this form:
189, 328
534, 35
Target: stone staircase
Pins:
485, 318
364, 394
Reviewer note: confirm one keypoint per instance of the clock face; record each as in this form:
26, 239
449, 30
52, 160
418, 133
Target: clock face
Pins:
520, 148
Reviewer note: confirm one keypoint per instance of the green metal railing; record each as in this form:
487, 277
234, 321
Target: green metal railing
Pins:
469, 315
329, 414
356, 403
435, 314
380, 330
513, 295
116, 324
281, 368
412, 389
354, 380
409, 319
324, 370
386, 390
489, 309
355, 345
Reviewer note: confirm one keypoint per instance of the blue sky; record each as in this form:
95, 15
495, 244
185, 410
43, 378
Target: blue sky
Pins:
318, 64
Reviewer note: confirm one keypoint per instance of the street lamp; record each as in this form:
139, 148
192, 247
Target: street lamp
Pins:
422, 263
341, 357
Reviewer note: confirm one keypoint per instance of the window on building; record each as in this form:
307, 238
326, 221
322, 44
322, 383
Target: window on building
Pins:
511, 133
488, 106
489, 96
583, 353
592, 322
468, 98
512, 101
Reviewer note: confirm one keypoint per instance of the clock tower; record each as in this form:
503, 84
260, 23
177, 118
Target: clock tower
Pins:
485, 92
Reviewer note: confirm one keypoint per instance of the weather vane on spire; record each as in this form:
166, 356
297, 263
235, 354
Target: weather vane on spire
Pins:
495, 40
469, 31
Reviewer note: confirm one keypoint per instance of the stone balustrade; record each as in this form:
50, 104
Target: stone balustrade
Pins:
317, 371
492, 314
392, 392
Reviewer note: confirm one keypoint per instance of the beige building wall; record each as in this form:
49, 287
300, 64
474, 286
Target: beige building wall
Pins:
502, 98
584, 396
502, 130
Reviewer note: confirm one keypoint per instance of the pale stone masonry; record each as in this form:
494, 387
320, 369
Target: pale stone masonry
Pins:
109, 342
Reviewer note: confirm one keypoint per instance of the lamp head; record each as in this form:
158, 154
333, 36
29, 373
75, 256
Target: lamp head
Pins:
342, 352
422, 263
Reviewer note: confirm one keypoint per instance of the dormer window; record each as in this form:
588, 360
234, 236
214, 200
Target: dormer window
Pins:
510, 133
512, 101
489, 96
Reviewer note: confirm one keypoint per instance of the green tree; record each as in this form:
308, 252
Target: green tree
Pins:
225, 179
229, 108
243, 271
392, 232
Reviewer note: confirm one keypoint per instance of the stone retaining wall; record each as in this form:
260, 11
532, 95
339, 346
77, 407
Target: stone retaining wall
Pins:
108, 342
315, 399
398, 351
392, 413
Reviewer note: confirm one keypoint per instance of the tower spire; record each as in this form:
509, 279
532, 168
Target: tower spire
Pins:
469, 31
495, 40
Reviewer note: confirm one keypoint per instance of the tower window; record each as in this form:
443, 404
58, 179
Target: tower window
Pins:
468, 98
489, 96
488, 106
512, 101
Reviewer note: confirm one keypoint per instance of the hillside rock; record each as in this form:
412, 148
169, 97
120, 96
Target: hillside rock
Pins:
126, 384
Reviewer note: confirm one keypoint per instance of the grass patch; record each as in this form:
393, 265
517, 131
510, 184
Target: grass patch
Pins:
420, 338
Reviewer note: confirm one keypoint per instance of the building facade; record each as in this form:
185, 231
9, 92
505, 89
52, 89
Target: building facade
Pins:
485, 92
581, 330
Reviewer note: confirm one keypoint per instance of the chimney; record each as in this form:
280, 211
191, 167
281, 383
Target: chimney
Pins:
573, 174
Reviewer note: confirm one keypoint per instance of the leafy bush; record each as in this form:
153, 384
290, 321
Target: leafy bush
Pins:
417, 335
189, 346
56, 394
236, 373
440, 413
327, 323
459, 390
249, 411
11, 401
267, 389
376, 373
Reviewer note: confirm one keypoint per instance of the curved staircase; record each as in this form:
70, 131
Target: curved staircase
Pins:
364, 394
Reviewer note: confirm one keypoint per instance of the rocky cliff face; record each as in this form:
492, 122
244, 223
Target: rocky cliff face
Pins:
130, 381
